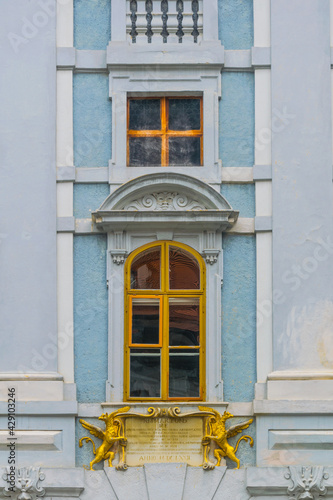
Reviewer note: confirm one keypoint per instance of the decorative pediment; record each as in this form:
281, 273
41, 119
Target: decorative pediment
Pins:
165, 200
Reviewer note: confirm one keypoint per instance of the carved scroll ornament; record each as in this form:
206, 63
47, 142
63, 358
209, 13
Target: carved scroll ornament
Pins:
307, 482
164, 201
24, 484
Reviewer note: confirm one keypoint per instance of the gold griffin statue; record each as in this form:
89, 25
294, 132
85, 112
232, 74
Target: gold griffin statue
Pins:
215, 431
113, 435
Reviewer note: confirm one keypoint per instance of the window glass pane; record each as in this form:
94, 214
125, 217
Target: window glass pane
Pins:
145, 114
184, 151
145, 321
145, 270
184, 270
184, 114
184, 376
145, 151
184, 321
145, 376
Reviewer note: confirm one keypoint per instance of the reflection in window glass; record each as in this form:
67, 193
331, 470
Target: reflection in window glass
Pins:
184, 151
145, 270
145, 114
145, 376
184, 114
184, 270
145, 321
183, 322
184, 376
145, 151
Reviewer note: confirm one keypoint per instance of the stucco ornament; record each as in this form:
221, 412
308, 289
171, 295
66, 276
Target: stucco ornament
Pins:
164, 201
26, 484
307, 482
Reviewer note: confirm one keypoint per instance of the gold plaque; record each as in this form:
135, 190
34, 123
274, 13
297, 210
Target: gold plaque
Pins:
164, 440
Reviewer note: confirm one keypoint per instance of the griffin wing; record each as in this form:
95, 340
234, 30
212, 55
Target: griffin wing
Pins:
236, 429
206, 408
93, 429
124, 409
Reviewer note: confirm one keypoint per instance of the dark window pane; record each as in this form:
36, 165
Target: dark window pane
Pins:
183, 322
184, 270
184, 151
145, 321
145, 270
184, 376
145, 114
144, 151
184, 114
145, 376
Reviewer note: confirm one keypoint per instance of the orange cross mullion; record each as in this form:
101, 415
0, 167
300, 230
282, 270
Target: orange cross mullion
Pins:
165, 142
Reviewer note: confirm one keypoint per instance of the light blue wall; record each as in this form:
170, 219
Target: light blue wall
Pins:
92, 24
236, 23
237, 119
92, 120
89, 197
239, 317
90, 317
241, 197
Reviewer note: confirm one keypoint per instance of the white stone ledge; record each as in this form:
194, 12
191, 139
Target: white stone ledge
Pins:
65, 174
292, 407
91, 175
262, 172
301, 375
263, 223
119, 53
65, 224
243, 225
33, 390
38, 408
237, 175
95, 409
31, 376
27, 440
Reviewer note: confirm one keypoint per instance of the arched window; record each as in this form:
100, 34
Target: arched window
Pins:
164, 323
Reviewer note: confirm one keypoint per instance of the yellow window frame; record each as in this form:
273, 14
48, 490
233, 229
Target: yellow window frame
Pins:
163, 294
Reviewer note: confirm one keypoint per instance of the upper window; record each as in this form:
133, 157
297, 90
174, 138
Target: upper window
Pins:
164, 131
165, 306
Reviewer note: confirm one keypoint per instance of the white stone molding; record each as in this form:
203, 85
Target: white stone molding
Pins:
307, 482
64, 160
26, 483
165, 202
174, 207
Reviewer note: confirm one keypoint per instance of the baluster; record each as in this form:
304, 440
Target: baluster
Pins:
180, 10
133, 8
164, 9
149, 9
195, 10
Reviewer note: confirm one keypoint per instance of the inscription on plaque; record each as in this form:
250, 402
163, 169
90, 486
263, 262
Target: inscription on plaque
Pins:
164, 440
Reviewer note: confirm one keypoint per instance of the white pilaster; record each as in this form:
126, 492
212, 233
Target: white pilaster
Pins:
263, 133
65, 197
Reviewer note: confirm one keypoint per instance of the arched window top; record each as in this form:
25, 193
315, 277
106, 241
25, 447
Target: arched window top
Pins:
165, 266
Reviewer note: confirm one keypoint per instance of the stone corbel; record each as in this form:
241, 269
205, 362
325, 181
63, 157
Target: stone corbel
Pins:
210, 256
24, 485
307, 482
118, 256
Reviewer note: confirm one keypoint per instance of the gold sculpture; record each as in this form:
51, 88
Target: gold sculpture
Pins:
216, 432
112, 436
214, 439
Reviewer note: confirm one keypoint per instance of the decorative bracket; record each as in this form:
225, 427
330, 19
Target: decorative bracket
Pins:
307, 482
118, 256
210, 256
22, 484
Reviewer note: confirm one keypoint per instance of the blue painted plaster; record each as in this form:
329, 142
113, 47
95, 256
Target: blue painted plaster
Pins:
236, 23
88, 198
245, 453
239, 318
90, 318
237, 119
92, 24
241, 197
84, 455
92, 120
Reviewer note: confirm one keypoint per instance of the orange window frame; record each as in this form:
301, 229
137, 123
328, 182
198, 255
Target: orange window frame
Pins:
164, 133
164, 294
